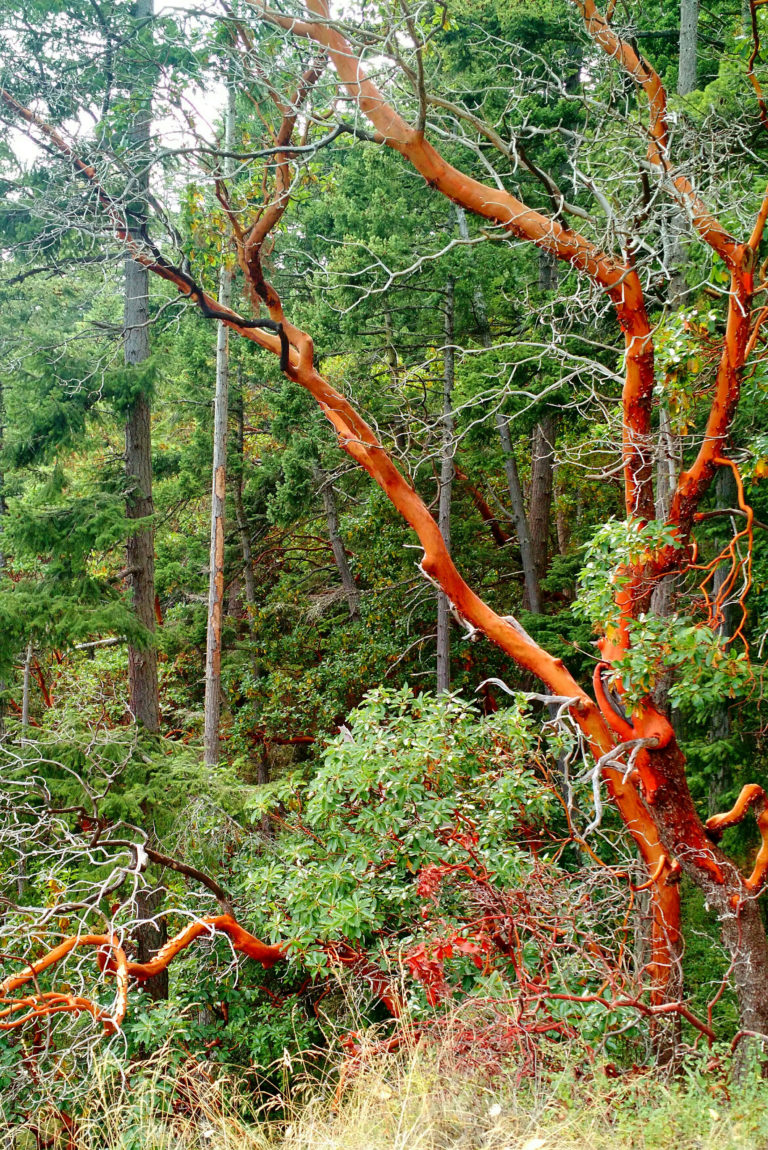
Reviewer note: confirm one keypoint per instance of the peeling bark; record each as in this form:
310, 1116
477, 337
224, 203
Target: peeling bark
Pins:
725, 890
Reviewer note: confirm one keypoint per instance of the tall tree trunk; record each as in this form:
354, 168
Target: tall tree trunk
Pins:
25, 687
337, 545
724, 888
668, 465
542, 479
140, 549
150, 937
674, 227
531, 596
399, 422
140, 561
212, 718
689, 39
720, 722
237, 493
447, 451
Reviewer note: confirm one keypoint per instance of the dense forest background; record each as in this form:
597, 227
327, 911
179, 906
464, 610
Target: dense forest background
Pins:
227, 688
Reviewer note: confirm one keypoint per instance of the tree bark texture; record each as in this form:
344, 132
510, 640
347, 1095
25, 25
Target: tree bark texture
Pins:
689, 39
725, 890
720, 723
547, 271
216, 561
150, 936
140, 548
447, 449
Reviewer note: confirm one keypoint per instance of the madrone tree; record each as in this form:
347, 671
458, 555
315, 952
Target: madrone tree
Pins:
625, 168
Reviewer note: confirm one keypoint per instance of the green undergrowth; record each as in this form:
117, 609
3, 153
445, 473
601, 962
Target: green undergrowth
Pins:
421, 1098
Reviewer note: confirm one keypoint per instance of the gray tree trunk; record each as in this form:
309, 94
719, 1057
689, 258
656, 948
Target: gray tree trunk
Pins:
689, 39
150, 937
542, 481
242, 521
140, 548
531, 594
532, 597
399, 422
337, 545
548, 267
447, 450
25, 687
212, 717
668, 465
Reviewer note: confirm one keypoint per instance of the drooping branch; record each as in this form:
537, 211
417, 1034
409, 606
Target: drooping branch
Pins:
17, 1011
191, 872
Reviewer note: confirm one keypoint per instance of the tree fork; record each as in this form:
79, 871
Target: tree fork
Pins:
358, 440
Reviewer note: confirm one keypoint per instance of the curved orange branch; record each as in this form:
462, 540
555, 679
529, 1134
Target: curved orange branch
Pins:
647, 79
751, 796
360, 442
616, 277
619, 723
265, 953
694, 481
110, 954
111, 957
739, 565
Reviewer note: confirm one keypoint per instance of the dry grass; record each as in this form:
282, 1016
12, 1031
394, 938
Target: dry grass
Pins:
414, 1100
